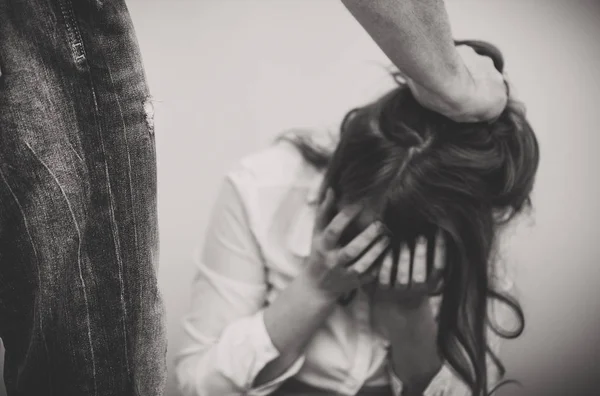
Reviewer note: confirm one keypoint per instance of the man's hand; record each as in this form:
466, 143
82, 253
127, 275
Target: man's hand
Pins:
416, 36
477, 94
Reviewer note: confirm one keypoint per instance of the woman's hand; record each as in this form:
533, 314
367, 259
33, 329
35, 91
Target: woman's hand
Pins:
335, 270
394, 300
402, 314
330, 271
478, 94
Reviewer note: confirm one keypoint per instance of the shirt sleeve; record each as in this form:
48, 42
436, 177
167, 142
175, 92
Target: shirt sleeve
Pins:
226, 343
447, 382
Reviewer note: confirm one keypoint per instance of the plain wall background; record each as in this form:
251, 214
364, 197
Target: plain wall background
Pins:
229, 75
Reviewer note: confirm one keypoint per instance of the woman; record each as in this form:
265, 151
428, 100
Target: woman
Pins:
363, 270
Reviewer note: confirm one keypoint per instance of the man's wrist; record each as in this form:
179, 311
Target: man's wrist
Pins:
457, 92
467, 100
453, 95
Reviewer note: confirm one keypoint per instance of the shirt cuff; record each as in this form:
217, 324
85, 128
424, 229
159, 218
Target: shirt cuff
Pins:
254, 356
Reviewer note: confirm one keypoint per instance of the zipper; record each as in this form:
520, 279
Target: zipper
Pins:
73, 34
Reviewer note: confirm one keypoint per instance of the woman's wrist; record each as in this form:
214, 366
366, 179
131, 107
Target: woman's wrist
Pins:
312, 281
418, 385
415, 374
291, 320
422, 371
310, 286
413, 351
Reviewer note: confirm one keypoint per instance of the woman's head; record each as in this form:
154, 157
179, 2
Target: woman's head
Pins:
418, 172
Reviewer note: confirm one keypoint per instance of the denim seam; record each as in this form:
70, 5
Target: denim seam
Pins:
113, 224
134, 221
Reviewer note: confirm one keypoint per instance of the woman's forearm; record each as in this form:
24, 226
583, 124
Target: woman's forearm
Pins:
291, 320
416, 36
415, 359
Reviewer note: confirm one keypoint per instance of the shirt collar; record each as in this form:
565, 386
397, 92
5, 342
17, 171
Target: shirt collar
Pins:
299, 240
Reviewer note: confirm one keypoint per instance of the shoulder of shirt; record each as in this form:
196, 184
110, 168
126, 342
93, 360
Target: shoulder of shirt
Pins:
277, 164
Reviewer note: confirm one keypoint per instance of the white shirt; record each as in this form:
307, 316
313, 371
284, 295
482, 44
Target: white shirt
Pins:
257, 240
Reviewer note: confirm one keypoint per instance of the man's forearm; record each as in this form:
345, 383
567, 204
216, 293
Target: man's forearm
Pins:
416, 36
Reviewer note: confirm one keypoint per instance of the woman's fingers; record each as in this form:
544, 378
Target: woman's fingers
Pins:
439, 260
385, 272
370, 257
334, 230
419, 273
358, 245
403, 274
324, 210
412, 271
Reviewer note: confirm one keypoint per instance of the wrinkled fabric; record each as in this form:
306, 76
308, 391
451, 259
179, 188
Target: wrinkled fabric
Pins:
80, 311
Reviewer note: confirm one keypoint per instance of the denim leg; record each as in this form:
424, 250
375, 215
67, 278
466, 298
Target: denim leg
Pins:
80, 310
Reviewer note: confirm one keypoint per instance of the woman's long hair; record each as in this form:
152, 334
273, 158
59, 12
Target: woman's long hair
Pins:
422, 172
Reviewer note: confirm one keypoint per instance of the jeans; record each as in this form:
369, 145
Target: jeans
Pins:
80, 310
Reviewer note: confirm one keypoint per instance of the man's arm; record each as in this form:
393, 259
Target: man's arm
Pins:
416, 36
